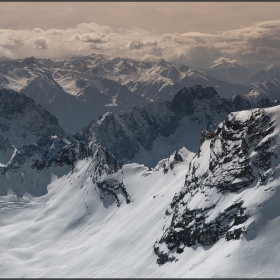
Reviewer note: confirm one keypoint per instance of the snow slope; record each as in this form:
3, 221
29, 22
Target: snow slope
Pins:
229, 71
75, 233
100, 220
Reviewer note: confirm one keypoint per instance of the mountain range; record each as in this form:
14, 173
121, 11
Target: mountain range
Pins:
172, 181
81, 88
169, 220
229, 71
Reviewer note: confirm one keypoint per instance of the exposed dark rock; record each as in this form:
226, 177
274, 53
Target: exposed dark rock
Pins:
31, 118
191, 228
240, 157
114, 188
183, 102
123, 134
177, 156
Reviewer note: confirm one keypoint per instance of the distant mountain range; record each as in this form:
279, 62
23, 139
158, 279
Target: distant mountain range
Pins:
81, 88
229, 71
150, 133
32, 138
265, 75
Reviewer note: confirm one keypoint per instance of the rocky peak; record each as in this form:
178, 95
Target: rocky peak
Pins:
171, 73
240, 103
23, 121
162, 62
29, 60
80, 83
123, 134
183, 101
241, 155
31, 167
159, 67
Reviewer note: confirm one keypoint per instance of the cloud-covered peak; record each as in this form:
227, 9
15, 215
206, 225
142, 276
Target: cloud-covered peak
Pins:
224, 61
255, 46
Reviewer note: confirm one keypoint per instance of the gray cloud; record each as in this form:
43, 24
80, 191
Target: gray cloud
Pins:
258, 43
95, 47
41, 43
136, 44
94, 37
7, 53
163, 17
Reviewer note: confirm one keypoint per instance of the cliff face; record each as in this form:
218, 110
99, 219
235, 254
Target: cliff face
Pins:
124, 135
33, 147
236, 162
22, 121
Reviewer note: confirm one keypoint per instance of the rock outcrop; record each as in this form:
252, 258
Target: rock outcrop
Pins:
240, 154
123, 135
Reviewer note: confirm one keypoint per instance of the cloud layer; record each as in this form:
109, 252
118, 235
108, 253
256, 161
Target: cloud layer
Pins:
255, 44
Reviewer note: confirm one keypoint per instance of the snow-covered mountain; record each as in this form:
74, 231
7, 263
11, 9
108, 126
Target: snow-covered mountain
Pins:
121, 96
228, 205
229, 71
113, 223
165, 79
150, 133
34, 148
183, 187
265, 94
49, 94
265, 74
22, 122
88, 86
32, 167
214, 213
145, 134
59, 87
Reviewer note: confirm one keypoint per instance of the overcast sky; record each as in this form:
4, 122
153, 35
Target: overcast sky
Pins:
193, 33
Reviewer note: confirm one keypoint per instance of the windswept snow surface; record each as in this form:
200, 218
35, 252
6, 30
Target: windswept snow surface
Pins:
71, 232
76, 231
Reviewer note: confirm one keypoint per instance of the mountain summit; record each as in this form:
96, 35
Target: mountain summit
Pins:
229, 71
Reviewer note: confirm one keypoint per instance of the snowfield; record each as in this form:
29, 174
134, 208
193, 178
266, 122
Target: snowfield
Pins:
74, 231
210, 209
71, 232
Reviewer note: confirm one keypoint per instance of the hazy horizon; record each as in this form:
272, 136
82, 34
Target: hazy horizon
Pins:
195, 34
